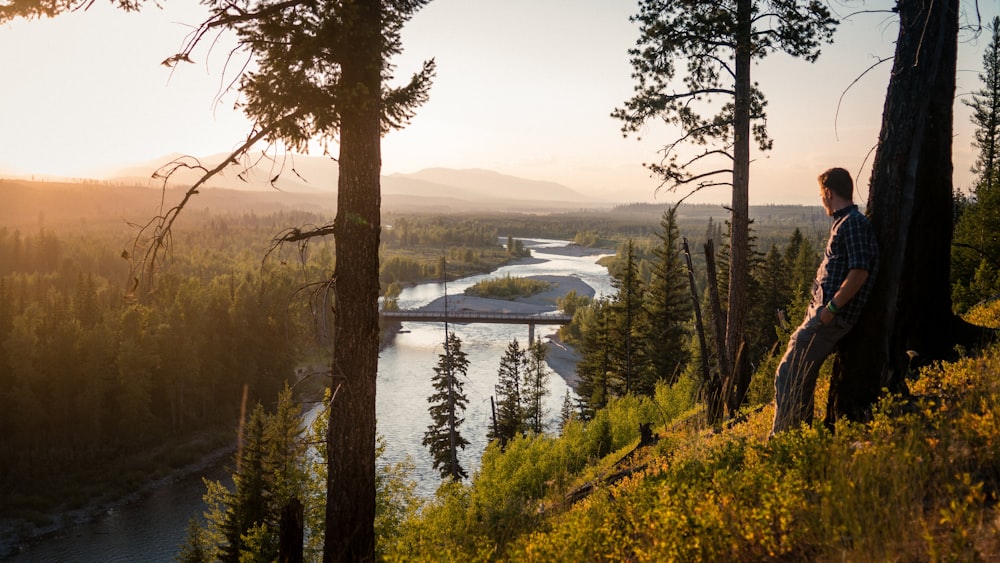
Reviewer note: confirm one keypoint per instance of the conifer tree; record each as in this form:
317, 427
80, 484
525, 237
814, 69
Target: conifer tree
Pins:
566, 412
802, 268
985, 104
448, 403
668, 310
534, 388
773, 279
627, 308
595, 363
510, 419
976, 247
244, 522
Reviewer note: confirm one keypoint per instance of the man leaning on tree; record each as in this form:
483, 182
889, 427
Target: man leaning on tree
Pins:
843, 282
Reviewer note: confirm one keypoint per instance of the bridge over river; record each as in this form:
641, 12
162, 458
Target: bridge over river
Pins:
466, 316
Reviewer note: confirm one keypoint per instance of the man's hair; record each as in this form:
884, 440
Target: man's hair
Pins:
839, 181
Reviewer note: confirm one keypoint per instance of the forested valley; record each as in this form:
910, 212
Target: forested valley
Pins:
105, 393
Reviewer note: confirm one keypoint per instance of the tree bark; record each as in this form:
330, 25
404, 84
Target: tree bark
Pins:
739, 236
909, 313
350, 506
715, 397
291, 532
713, 391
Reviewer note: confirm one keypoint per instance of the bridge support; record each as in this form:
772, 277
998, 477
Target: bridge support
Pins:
531, 333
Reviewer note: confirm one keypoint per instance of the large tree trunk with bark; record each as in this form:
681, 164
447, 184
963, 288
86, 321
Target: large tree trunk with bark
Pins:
350, 505
909, 314
739, 262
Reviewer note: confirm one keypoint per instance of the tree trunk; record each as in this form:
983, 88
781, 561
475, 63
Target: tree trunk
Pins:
713, 405
739, 237
291, 532
718, 317
350, 506
716, 390
910, 206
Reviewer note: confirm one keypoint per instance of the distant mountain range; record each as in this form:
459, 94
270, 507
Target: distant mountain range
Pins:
433, 188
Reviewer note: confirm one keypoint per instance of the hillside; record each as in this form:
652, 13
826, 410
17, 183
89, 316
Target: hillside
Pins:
918, 483
436, 189
30, 204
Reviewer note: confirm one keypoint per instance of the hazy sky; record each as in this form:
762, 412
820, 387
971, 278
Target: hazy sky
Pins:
524, 87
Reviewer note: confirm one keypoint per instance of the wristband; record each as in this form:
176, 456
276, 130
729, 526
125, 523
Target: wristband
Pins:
831, 307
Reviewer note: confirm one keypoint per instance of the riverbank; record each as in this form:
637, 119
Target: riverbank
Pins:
17, 533
562, 359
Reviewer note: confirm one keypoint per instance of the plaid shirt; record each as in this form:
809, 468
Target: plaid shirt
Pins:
851, 246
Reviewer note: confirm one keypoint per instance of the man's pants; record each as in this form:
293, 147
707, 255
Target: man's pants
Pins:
795, 379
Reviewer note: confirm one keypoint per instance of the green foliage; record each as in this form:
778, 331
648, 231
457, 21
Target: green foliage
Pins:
533, 472
571, 303
976, 240
509, 419
197, 547
515, 247
596, 348
507, 287
668, 306
89, 380
275, 466
534, 388
448, 403
701, 38
638, 338
242, 523
395, 498
390, 298
586, 238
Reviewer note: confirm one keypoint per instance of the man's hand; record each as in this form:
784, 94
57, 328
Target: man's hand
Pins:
825, 316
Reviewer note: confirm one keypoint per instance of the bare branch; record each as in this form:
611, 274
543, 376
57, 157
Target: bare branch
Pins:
159, 228
707, 154
703, 175
697, 189
849, 86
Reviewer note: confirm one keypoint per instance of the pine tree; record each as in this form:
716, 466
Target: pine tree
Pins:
627, 308
246, 504
803, 272
197, 547
774, 281
510, 419
534, 388
595, 363
270, 471
448, 403
976, 246
985, 104
668, 306
566, 412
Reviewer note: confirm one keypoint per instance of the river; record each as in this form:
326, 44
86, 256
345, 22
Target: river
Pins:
152, 528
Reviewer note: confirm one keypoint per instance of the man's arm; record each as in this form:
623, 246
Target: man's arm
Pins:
847, 290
